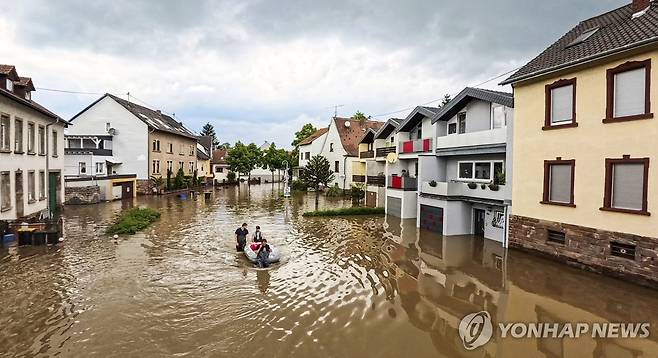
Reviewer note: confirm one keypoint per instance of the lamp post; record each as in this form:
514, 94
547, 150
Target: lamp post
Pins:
286, 183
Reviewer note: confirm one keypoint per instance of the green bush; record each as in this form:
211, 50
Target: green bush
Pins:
134, 220
230, 177
334, 191
346, 212
298, 185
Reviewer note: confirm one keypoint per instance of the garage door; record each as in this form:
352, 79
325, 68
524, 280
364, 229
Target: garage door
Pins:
431, 218
371, 199
394, 206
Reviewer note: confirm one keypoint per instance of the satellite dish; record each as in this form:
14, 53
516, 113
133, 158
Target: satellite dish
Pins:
347, 124
392, 158
112, 131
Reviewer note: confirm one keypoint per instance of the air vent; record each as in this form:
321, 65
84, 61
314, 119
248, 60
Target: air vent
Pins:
625, 251
557, 237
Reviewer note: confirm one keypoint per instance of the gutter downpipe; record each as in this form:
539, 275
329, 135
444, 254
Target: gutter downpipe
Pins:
48, 208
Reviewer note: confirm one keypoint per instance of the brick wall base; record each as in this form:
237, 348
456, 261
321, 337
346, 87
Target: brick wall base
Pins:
588, 248
144, 187
82, 195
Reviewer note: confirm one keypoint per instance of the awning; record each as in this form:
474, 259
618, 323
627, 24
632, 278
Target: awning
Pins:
113, 160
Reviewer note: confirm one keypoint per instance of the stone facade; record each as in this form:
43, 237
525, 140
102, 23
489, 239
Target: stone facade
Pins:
82, 195
144, 187
589, 248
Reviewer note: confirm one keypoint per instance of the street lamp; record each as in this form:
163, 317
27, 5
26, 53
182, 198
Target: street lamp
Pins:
286, 184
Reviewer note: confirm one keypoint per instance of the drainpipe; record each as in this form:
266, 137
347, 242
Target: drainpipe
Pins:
344, 173
48, 165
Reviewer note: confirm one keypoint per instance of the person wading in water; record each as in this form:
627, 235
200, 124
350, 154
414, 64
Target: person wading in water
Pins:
241, 237
258, 235
263, 255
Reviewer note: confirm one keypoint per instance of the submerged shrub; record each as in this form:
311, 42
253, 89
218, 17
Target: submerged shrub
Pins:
134, 220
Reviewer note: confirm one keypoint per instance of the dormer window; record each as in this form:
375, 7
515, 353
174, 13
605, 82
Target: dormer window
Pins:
10, 85
28, 95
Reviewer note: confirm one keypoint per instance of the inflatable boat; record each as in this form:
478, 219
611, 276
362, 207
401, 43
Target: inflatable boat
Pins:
251, 250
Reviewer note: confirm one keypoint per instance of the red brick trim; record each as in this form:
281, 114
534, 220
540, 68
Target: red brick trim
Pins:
547, 181
547, 117
607, 197
610, 91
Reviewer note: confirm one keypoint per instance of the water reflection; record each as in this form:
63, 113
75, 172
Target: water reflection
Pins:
348, 287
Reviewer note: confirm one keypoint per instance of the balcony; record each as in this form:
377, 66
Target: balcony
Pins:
461, 189
416, 146
382, 152
88, 151
359, 178
403, 183
367, 154
377, 180
479, 138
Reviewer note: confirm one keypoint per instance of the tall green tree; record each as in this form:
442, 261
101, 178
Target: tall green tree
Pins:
303, 133
241, 159
209, 130
317, 172
272, 159
359, 116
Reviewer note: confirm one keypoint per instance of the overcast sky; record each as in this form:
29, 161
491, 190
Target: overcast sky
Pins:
257, 70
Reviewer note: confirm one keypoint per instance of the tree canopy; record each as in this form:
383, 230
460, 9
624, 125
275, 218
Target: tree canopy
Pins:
244, 158
359, 116
303, 133
209, 130
317, 171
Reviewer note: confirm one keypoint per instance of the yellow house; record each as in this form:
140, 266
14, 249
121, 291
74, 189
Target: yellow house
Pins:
585, 146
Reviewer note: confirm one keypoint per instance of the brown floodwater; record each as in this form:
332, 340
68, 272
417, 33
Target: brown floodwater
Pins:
346, 287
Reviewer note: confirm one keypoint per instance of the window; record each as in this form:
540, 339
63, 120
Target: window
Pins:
18, 136
331, 147
628, 92
156, 145
479, 171
559, 182
191, 150
560, 104
461, 121
626, 182
182, 149
171, 148
30, 138
498, 116
42, 140
191, 167
557, 237
392, 139
155, 169
5, 192
308, 155
42, 185
107, 126
419, 131
82, 168
452, 128
181, 165
170, 165
28, 95
100, 167
219, 170
55, 143
4, 133
336, 166
301, 156
10, 85
31, 194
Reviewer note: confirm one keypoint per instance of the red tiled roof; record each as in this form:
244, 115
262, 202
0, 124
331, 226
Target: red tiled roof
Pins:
9, 71
351, 135
219, 156
314, 136
25, 82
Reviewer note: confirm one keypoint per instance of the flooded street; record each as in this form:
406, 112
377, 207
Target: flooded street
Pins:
346, 287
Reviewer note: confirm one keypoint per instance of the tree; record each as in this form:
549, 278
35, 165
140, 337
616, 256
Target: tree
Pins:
209, 130
303, 133
445, 100
272, 159
359, 116
179, 180
242, 159
318, 171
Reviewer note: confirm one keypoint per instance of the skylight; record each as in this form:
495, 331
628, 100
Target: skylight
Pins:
583, 36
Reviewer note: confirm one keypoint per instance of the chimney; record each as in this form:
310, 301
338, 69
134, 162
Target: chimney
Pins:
639, 5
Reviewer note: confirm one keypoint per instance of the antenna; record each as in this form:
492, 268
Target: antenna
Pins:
128, 94
336, 109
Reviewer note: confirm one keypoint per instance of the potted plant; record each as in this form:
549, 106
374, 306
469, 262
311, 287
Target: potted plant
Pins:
483, 186
499, 177
493, 187
472, 185
433, 183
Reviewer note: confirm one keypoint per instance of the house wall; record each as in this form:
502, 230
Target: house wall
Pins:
12, 162
589, 144
452, 163
72, 164
184, 150
314, 148
130, 143
344, 177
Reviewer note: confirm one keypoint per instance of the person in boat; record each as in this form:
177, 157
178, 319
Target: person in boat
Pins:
258, 235
241, 237
263, 254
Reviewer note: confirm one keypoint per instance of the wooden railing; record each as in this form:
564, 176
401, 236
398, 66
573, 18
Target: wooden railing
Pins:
367, 154
378, 180
359, 178
382, 152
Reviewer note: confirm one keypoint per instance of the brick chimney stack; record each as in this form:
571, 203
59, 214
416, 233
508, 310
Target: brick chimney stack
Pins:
639, 5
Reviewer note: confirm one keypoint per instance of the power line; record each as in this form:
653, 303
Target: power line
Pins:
67, 91
452, 95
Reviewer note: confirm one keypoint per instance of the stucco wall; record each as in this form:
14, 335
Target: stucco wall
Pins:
130, 144
184, 150
589, 144
344, 177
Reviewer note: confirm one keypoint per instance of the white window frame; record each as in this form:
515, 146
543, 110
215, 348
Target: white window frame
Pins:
473, 162
493, 107
10, 85
101, 166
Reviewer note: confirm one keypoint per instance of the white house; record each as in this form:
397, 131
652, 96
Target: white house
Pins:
219, 166
413, 138
308, 148
145, 142
465, 184
31, 151
340, 146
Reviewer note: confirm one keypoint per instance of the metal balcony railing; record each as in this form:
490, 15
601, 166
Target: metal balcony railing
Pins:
367, 154
416, 146
359, 178
378, 180
83, 151
404, 183
382, 152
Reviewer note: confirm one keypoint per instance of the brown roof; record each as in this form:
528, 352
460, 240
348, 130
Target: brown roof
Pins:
351, 135
219, 156
9, 71
314, 136
26, 82
617, 31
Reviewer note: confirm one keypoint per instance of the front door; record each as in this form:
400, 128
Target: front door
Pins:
53, 190
478, 222
127, 190
20, 210
371, 199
